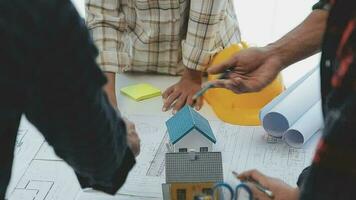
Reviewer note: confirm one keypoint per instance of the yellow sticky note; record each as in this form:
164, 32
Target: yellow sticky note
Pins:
141, 91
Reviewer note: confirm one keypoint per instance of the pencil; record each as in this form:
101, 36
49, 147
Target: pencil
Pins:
201, 92
208, 86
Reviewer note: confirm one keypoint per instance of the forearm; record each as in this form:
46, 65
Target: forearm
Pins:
303, 41
68, 106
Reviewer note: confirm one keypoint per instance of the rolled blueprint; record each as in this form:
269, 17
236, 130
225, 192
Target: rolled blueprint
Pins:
305, 127
279, 115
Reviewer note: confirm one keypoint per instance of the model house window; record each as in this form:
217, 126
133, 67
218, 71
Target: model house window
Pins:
183, 150
203, 149
208, 191
181, 194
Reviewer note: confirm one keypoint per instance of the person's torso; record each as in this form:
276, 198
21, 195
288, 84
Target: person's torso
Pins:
338, 64
156, 29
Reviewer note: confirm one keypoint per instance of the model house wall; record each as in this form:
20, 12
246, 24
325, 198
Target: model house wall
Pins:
187, 191
193, 141
192, 174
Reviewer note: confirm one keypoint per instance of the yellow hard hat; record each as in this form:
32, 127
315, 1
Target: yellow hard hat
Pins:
240, 109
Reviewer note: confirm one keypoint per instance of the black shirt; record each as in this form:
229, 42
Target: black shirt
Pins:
333, 172
48, 73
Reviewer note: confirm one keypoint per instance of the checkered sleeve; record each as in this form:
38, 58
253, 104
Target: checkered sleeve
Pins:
210, 22
107, 24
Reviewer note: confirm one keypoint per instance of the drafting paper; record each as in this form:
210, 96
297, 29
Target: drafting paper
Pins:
282, 113
311, 122
28, 142
46, 180
242, 148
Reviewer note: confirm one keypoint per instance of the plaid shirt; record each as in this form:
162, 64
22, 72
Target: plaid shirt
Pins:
160, 36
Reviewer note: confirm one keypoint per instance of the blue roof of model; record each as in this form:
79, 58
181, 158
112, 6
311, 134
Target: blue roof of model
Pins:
184, 121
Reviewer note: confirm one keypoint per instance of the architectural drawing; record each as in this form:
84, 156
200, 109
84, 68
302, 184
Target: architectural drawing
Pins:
28, 143
46, 152
34, 190
40, 175
47, 180
20, 139
157, 166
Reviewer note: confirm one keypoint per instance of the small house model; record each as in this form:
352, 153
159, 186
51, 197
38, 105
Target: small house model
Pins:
191, 174
188, 130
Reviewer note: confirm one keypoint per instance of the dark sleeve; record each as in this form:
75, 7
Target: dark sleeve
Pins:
333, 172
67, 103
302, 177
322, 4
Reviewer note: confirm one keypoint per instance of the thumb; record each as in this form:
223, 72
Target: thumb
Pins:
219, 68
255, 176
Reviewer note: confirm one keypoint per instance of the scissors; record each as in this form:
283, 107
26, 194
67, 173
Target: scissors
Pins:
233, 193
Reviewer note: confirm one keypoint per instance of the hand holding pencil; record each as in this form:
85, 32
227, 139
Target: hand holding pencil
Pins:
210, 85
267, 188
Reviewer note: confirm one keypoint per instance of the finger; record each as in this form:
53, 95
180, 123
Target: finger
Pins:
235, 85
167, 92
138, 144
231, 84
133, 143
219, 68
180, 103
190, 100
216, 83
131, 126
199, 103
169, 101
256, 193
254, 175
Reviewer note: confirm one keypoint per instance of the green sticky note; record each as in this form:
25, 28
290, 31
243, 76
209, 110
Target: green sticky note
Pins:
141, 91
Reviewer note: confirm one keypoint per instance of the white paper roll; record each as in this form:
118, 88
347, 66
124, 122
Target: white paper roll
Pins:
280, 97
294, 103
305, 127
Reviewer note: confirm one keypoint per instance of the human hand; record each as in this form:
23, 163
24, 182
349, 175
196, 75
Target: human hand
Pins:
182, 92
133, 141
252, 70
280, 190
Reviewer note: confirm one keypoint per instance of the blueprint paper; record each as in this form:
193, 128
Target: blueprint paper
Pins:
242, 148
311, 122
95, 195
252, 148
46, 177
46, 152
46, 180
28, 142
146, 177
